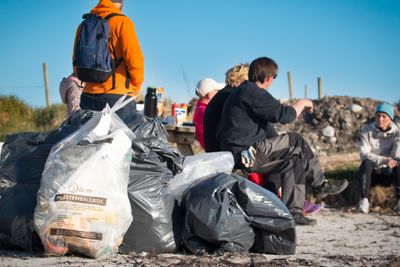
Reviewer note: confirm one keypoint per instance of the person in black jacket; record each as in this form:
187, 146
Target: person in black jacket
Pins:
246, 129
235, 76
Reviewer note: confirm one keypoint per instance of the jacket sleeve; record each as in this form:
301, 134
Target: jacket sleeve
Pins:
395, 153
366, 148
269, 109
132, 53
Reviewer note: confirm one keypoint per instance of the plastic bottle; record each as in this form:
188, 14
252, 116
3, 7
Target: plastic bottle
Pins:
173, 107
150, 102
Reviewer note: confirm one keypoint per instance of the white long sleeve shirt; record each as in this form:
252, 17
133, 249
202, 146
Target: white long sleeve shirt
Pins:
377, 145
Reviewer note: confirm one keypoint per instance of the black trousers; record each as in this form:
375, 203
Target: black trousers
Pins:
98, 101
288, 159
369, 177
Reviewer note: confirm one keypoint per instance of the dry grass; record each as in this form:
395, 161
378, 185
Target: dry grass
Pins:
382, 199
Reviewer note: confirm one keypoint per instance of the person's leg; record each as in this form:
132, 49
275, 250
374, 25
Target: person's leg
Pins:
293, 144
367, 178
396, 173
278, 156
293, 183
289, 170
365, 174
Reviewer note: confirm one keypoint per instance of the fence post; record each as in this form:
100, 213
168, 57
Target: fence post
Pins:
306, 91
319, 87
46, 85
290, 85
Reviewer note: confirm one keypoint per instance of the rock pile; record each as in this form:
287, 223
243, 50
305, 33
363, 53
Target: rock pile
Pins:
335, 124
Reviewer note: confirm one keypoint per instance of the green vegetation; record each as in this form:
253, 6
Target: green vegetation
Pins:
349, 171
16, 116
351, 195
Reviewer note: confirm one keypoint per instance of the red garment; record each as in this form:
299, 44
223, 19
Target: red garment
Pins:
260, 179
198, 117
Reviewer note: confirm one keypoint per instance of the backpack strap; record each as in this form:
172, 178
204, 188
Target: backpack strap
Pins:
116, 60
128, 79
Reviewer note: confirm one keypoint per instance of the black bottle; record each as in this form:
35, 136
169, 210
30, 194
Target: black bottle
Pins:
150, 102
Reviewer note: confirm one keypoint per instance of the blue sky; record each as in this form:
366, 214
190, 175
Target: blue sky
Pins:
353, 45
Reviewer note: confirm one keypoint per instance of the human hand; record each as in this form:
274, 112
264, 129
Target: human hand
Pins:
248, 157
303, 105
391, 163
308, 106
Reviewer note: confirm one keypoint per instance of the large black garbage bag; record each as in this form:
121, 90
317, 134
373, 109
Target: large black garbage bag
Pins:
151, 133
21, 165
214, 221
272, 222
154, 162
226, 212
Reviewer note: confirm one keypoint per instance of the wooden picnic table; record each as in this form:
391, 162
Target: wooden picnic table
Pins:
183, 137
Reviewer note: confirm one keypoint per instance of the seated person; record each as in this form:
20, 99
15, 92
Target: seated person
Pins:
206, 90
245, 130
380, 155
235, 76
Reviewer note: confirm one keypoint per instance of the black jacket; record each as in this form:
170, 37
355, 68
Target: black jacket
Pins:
248, 115
212, 117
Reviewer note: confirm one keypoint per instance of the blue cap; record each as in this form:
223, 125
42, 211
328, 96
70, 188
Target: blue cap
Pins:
385, 108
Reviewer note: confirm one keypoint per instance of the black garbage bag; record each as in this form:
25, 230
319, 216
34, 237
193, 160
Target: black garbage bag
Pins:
21, 165
214, 222
227, 213
154, 163
151, 133
272, 222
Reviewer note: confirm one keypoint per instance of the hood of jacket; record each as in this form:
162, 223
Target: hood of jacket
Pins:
104, 8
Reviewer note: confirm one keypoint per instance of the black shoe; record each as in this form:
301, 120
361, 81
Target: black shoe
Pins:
330, 187
300, 219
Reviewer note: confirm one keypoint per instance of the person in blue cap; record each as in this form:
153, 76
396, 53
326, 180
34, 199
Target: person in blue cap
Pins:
380, 155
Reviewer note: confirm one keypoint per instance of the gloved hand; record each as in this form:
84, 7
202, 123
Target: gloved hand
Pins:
248, 157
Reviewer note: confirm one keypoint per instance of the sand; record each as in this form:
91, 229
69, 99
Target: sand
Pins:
340, 238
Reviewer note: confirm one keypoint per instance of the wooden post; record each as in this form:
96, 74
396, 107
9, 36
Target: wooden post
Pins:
46, 85
319, 87
290, 85
306, 91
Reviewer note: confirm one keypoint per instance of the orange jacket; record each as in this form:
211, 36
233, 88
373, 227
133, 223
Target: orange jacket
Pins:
123, 38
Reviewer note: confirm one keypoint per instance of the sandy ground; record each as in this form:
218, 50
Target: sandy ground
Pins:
341, 238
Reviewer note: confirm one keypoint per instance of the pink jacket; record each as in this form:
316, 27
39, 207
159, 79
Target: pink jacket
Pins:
70, 92
198, 117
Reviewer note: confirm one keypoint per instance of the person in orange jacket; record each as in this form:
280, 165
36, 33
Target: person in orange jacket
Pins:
129, 74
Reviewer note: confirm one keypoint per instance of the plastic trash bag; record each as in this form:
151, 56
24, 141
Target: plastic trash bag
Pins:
214, 222
153, 165
83, 205
227, 213
21, 165
198, 166
150, 133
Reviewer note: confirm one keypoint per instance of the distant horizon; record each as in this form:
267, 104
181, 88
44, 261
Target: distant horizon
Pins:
352, 45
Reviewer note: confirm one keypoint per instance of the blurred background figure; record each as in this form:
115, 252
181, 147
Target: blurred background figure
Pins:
70, 92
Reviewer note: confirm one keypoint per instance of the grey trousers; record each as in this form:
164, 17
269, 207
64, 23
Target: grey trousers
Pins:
289, 160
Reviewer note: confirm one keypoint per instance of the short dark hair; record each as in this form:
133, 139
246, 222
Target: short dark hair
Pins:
262, 68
